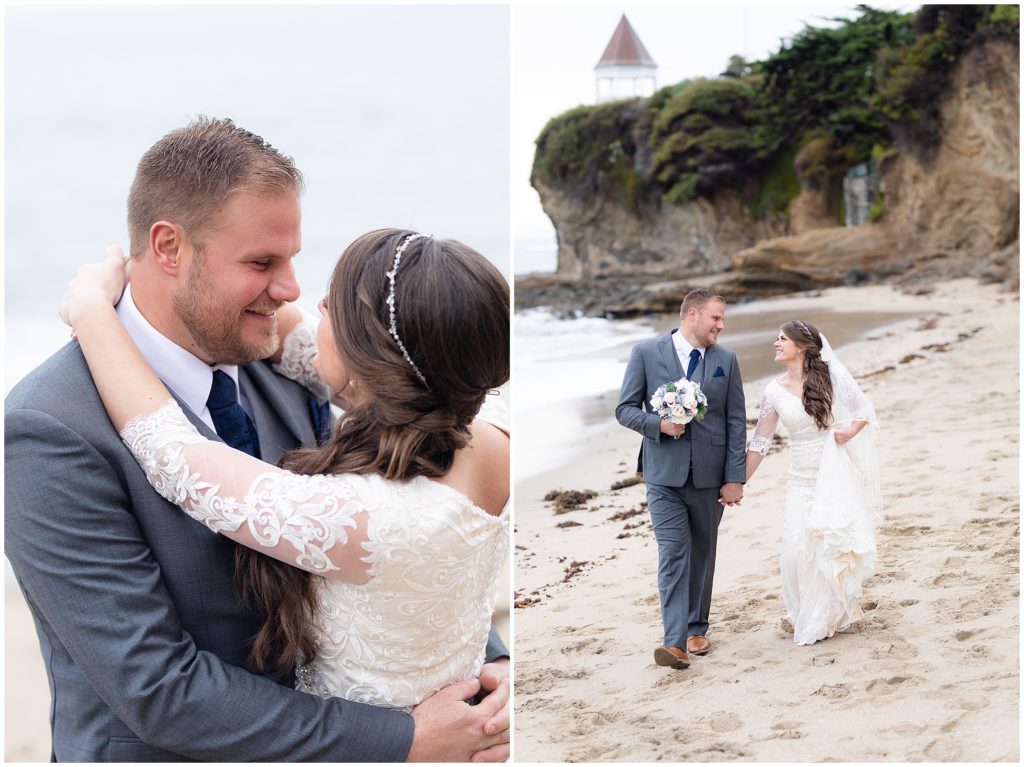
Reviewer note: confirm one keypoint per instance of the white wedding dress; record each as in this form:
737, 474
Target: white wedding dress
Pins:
833, 505
410, 568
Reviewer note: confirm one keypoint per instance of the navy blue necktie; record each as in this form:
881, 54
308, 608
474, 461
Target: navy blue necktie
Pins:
694, 361
232, 424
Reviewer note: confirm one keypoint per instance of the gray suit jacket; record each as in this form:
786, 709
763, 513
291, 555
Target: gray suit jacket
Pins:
138, 620
715, 445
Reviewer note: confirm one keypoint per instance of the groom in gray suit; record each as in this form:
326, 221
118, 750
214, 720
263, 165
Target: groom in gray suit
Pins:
691, 471
141, 630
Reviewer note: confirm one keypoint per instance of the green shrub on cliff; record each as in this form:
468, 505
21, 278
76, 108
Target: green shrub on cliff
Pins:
702, 135
590, 148
913, 76
822, 83
829, 99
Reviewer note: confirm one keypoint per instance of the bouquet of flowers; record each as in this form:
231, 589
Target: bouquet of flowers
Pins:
680, 401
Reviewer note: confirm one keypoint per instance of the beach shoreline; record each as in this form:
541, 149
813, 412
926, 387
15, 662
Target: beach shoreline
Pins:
930, 674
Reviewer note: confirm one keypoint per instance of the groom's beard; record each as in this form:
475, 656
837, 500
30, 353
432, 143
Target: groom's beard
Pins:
216, 330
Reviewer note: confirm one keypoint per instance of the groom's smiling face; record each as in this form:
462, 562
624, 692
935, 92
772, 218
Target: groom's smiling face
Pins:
239, 278
709, 323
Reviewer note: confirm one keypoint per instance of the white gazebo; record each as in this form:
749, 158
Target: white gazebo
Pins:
626, 70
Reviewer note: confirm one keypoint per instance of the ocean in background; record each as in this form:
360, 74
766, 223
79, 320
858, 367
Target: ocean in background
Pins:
375, 104
564, 371
538, 253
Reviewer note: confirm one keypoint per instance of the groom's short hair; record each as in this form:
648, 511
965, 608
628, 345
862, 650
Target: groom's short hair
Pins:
186, 175
696, 299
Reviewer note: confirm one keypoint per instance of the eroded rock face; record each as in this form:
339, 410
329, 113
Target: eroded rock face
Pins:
815, 259
965, 198
602, 238
951, 211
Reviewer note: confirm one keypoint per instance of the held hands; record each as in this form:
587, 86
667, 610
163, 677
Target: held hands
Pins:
494, 678
96, 285
674, 430
731, 494
448, 729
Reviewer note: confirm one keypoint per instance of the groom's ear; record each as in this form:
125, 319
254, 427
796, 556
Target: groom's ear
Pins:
166, 240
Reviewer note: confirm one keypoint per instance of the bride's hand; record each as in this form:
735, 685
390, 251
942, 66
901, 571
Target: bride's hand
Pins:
844, 434
96, 284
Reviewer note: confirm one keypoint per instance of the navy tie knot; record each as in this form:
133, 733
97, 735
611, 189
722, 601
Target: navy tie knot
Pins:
229, 419
694, 361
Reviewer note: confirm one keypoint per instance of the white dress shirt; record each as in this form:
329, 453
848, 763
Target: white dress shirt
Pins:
181, 371
683, 350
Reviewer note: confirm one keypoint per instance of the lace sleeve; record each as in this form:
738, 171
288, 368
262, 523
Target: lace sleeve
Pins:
296, 363
316, 523
767, 421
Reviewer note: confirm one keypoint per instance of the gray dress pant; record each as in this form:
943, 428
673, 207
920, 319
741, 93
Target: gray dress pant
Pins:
686, 521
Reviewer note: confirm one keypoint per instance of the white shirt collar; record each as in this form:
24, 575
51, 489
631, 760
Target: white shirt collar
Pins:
181, 371
683, 347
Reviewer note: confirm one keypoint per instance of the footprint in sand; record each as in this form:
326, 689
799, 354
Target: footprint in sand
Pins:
890, 685
825, 659
718, 752
599, 752
833, 691
724, 721
591, 646
898, 649
785, 731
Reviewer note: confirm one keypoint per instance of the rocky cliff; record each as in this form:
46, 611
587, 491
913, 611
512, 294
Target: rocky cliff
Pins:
949, 207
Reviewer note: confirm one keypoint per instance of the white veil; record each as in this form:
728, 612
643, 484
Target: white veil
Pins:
850, 404
847, 499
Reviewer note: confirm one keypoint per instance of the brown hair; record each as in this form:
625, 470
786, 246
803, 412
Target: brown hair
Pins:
697, 299
817, 396
452, 308
186, 175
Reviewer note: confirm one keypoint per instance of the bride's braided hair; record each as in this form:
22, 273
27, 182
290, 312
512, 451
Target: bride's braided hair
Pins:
817, 396
453, 319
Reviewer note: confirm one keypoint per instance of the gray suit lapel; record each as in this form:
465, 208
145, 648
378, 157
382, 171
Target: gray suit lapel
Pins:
257, 380
670, 358
710, 356
198, 422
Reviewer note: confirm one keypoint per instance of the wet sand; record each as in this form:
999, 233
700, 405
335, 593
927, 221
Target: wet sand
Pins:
932, 671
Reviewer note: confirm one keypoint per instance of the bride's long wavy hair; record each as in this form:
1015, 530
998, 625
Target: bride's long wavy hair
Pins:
817, 397
452, 309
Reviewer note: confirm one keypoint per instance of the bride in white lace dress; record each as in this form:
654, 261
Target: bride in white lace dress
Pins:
833, 499
403, 512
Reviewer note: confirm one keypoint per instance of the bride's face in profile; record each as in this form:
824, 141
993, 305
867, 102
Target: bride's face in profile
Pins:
328, 362
786, 349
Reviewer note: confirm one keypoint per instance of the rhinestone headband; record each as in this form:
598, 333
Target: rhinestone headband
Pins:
393, 327
807, 330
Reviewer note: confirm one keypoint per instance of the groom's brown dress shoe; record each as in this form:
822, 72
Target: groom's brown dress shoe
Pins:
671, 656
698, 645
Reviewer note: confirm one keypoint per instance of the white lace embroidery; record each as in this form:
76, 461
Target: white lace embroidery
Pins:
759, 445
297, 354
767, 420
310, 513
422, 620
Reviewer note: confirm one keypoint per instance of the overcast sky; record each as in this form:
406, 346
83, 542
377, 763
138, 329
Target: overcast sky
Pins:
555, 48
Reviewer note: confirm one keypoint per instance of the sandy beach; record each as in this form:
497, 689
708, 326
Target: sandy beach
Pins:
932, 671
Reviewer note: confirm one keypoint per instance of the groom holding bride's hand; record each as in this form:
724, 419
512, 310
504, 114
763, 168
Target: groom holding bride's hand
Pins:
691, 477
